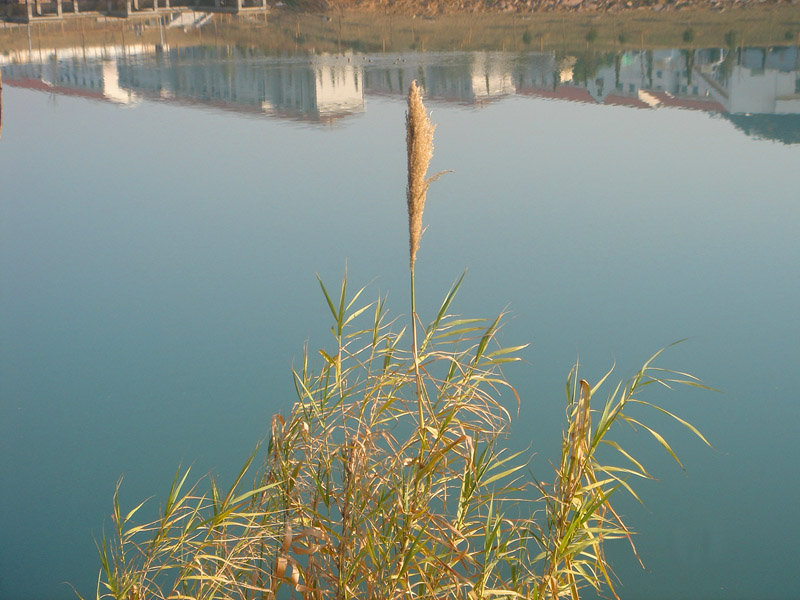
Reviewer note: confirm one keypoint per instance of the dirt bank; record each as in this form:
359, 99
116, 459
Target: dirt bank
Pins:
366, 26
449, 7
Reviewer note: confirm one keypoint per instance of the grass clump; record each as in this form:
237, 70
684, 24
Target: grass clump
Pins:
388, 477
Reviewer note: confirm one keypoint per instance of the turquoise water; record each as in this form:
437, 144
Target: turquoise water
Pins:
163, 216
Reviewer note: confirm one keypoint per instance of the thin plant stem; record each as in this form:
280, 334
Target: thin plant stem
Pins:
415, 358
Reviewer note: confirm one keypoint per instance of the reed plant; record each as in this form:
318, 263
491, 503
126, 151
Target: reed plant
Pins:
388, 477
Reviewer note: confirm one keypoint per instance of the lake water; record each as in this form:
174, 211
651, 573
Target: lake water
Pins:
163, 213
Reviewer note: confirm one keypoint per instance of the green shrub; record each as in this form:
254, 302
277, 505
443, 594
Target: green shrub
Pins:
527, 37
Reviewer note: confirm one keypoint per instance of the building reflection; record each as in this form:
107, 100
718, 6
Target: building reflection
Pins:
473, 79
739, 84
757, 80
91, 73
323, 88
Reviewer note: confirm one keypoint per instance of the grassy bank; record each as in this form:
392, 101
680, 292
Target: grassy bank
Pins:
339, 31
534, 31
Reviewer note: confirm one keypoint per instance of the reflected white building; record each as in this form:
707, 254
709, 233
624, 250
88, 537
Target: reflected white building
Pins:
464, 78
111, 87
94, 76
339, 87
755, 80
325, 88
328, 88
491, 77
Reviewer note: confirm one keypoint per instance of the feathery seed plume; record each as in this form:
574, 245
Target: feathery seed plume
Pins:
419, 141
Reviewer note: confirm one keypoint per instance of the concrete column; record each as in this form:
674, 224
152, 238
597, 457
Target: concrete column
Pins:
238, 4
155, 4
167, 3
75, 8
127, 7
30, 9
136, 4
59, 8
38, 8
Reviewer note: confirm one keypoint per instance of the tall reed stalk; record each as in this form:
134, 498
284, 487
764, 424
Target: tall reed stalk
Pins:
419, 145
387, 479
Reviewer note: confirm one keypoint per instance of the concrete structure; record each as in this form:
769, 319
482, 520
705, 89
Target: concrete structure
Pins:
49, 10
36, 6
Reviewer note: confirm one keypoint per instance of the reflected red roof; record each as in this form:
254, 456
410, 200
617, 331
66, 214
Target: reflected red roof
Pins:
42, 86
563, 92
632, 101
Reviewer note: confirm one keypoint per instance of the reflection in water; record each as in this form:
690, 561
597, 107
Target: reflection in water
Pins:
85, 72
322, 89
783, 128
738, 83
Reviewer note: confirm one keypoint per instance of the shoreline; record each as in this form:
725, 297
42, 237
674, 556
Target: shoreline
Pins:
13, 13
362, 29
421, 8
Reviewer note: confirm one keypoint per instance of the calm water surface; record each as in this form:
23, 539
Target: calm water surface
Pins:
163, 215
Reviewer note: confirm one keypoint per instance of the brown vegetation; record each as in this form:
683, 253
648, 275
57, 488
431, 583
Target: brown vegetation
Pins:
441, 7
368, 30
